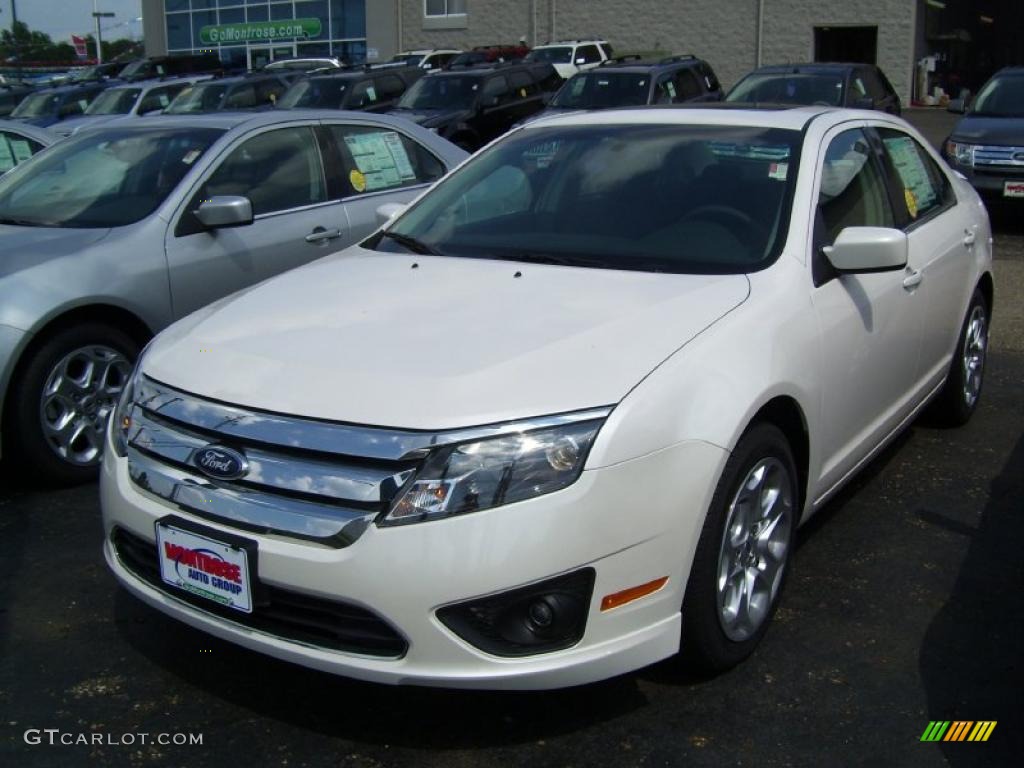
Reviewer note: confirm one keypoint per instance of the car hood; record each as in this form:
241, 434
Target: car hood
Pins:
430, 118
25, 247
434, 343
1000, 131
45, 121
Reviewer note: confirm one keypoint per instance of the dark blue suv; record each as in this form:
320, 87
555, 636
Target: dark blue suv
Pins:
629, 81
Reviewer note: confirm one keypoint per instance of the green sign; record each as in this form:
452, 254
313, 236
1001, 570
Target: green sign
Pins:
260, 31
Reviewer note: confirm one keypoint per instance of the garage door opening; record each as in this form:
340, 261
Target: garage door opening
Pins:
854, 44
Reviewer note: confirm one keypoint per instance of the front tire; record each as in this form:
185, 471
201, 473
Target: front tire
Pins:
959, 397
743, 553
61, 401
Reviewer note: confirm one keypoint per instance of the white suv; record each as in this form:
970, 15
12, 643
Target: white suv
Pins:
428, 59
563, 415
571, 56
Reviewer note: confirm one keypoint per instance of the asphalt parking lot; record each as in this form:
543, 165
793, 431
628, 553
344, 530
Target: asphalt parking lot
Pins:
904, 606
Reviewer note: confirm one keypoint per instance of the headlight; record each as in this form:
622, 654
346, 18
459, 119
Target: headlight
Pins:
468, 477
961, 154
121, 420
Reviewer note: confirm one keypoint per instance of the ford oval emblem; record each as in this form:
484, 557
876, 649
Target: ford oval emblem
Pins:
220, 462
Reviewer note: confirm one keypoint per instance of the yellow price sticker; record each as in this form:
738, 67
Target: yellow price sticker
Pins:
908, 195
358, 181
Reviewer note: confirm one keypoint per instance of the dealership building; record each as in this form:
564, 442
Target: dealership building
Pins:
920, 44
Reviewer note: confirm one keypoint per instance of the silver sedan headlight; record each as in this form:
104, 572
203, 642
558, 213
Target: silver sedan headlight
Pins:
471, 476
121, 419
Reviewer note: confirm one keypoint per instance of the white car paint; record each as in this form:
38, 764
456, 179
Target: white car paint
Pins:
686, 361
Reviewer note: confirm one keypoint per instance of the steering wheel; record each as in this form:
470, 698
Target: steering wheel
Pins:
750, 232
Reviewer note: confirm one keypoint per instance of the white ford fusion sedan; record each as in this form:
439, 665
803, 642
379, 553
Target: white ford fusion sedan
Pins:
561, 417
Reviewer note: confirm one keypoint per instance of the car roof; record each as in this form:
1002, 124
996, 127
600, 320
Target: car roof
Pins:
638, 66
62, 89
1015, 70
487, 68
157, 82
785, 116
563, 43
824, 67
43, 135
229, 120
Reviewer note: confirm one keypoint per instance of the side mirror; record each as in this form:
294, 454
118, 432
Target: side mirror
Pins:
868, 249
225, 211
956, 106
865, 102
388, 211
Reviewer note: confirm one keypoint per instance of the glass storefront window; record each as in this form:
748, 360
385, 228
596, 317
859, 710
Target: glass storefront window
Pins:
317, 9
281, 11
232, 15
176, 5
201, 19
199, 4
179, 35
348, 18
257, 13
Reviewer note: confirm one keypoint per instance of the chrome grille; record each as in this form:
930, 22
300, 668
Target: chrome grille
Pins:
313, 480
1007, 157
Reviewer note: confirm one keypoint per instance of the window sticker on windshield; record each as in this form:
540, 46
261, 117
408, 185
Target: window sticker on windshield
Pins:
381, 159
778, 171
371, 92
671, 88
542, 154
190, 156
913, 173
776, 152
164, 99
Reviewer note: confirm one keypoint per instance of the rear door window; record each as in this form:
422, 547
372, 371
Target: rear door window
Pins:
377, 159
919, 187
588, 53
15, 149
364, 94
497, 87
159, 98
390, 87
686, 82
523, 85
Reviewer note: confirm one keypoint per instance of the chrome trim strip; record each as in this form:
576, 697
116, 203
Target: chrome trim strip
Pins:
327, 437
1001, 156
298, 474
256, 511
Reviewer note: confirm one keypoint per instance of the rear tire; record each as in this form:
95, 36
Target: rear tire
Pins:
59, 404
961, 393
743, 553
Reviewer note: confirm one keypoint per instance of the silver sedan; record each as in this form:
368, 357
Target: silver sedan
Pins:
115, 233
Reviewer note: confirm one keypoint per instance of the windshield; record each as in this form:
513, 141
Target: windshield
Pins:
133, 69
116, 101
106, 179
660, 198
790, 88
410, 59
560, 55
445, 92
37, 105
597, 90
1002, 96
321, 93
205, 97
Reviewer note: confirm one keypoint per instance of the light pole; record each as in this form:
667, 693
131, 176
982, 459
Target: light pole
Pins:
97, 15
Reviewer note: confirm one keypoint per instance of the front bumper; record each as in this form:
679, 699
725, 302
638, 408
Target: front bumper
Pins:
632, 523
991, 181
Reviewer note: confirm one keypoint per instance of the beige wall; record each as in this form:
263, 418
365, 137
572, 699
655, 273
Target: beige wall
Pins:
724, 32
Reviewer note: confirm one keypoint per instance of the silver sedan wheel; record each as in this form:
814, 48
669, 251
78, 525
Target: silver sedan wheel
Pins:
77, 399
754, 548
973, 358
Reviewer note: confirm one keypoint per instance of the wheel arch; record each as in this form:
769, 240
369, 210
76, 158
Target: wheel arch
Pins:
109, 314
785, 413
987, 288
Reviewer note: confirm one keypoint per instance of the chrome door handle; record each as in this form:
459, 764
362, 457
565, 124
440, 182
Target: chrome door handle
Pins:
913, 279
320, 234
969, 237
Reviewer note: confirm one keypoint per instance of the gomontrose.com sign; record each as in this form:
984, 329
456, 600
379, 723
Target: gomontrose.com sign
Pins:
260, 30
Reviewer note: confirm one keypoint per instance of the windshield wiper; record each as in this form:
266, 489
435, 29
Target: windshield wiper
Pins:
411, 243
642, 265
22, 222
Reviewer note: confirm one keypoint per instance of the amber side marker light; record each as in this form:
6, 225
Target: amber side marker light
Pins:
617, 599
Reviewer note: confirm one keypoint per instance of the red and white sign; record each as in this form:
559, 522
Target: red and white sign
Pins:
1013, 189
204, 567
80, 46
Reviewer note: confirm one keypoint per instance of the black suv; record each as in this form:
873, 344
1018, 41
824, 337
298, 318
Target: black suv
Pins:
232, 94
860, 86
629, 81
473, 105
987, 144
172, 66
369, 90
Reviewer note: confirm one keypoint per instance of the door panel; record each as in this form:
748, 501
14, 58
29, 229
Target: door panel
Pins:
941, 239
280, 171
870, 324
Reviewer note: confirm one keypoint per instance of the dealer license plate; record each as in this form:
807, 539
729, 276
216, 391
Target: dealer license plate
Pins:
1013, 189
205, 567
